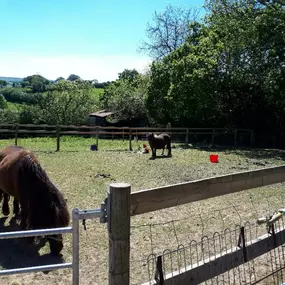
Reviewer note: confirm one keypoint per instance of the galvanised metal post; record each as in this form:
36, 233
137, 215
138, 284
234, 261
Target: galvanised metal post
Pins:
75, 245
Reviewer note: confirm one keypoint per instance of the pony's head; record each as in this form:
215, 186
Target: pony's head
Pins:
150, 136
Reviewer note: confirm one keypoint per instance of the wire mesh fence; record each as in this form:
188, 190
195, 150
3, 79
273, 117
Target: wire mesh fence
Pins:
200, 233
203, 259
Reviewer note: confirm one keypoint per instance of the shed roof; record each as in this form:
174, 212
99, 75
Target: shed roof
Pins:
101, 113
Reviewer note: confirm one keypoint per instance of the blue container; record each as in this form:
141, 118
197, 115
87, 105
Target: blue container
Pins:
93, 147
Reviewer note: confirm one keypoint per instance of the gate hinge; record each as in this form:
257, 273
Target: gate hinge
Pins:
104, 205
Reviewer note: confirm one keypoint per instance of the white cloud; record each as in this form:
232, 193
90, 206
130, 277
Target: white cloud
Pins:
102, 68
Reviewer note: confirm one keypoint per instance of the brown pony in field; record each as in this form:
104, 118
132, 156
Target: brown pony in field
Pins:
42, 204
159, 142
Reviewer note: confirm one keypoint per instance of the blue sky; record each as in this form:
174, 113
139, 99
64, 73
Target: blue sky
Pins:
95, 39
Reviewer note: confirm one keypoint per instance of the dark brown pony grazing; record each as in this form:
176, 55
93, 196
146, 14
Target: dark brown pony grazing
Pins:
42, 204
159, 142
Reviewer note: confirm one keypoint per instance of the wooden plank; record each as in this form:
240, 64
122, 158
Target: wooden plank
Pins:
6, 131
7, 125
90, 133
35, 132
37, 126
145, 201
113, 127
227, 260
76, 127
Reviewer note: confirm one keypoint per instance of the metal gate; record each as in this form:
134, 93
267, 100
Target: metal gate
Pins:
74, 229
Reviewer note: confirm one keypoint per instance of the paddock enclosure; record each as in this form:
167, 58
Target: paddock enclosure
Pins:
168, 223
242, 137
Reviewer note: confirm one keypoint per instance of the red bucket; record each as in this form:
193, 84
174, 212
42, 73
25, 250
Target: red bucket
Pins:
214, 158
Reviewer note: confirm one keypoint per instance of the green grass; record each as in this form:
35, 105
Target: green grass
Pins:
96, 92
75, 169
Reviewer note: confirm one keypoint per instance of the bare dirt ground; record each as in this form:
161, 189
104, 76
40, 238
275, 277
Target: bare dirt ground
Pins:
83, 176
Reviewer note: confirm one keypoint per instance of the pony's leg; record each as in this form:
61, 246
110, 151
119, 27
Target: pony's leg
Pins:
152, 151
5, 206
24, 222
169, 149
16, 207
24, 215
163, 151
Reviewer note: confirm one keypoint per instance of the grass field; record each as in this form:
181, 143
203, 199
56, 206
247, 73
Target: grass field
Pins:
78, 173
96, 92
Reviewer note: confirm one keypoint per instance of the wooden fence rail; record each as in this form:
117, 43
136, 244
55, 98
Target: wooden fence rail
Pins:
170, 196
97, 131
145, 201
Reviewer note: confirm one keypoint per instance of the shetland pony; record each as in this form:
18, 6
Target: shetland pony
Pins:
159, 142
42, 204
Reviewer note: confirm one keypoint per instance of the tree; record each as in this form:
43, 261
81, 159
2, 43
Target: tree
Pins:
16, 95
3, 83
168, 31
36, 82
8, 116
3, 102
228, 73
129, 74
59, 79
181, 89
67, 103
31, 115
126, 99
73, 77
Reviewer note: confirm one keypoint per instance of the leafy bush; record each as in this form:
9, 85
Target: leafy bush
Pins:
8, 116
17, 95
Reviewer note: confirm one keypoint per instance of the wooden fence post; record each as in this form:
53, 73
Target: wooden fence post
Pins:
187, 136
274, 141
97, 137
57, 138
213, 137
119, 223
130, 140
235, 137
16, 133
251, 138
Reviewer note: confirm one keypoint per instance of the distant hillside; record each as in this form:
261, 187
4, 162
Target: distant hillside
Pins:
13, 79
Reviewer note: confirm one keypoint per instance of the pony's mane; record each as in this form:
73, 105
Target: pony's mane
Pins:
47, 207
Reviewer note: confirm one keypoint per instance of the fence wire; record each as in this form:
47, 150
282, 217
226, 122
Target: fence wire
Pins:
200, 237
266, 269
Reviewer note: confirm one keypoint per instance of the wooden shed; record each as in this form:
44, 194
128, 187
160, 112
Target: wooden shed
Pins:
99, 118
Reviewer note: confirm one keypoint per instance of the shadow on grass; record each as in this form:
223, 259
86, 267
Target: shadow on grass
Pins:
159, 157
17, 253
247, 152
80, 151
